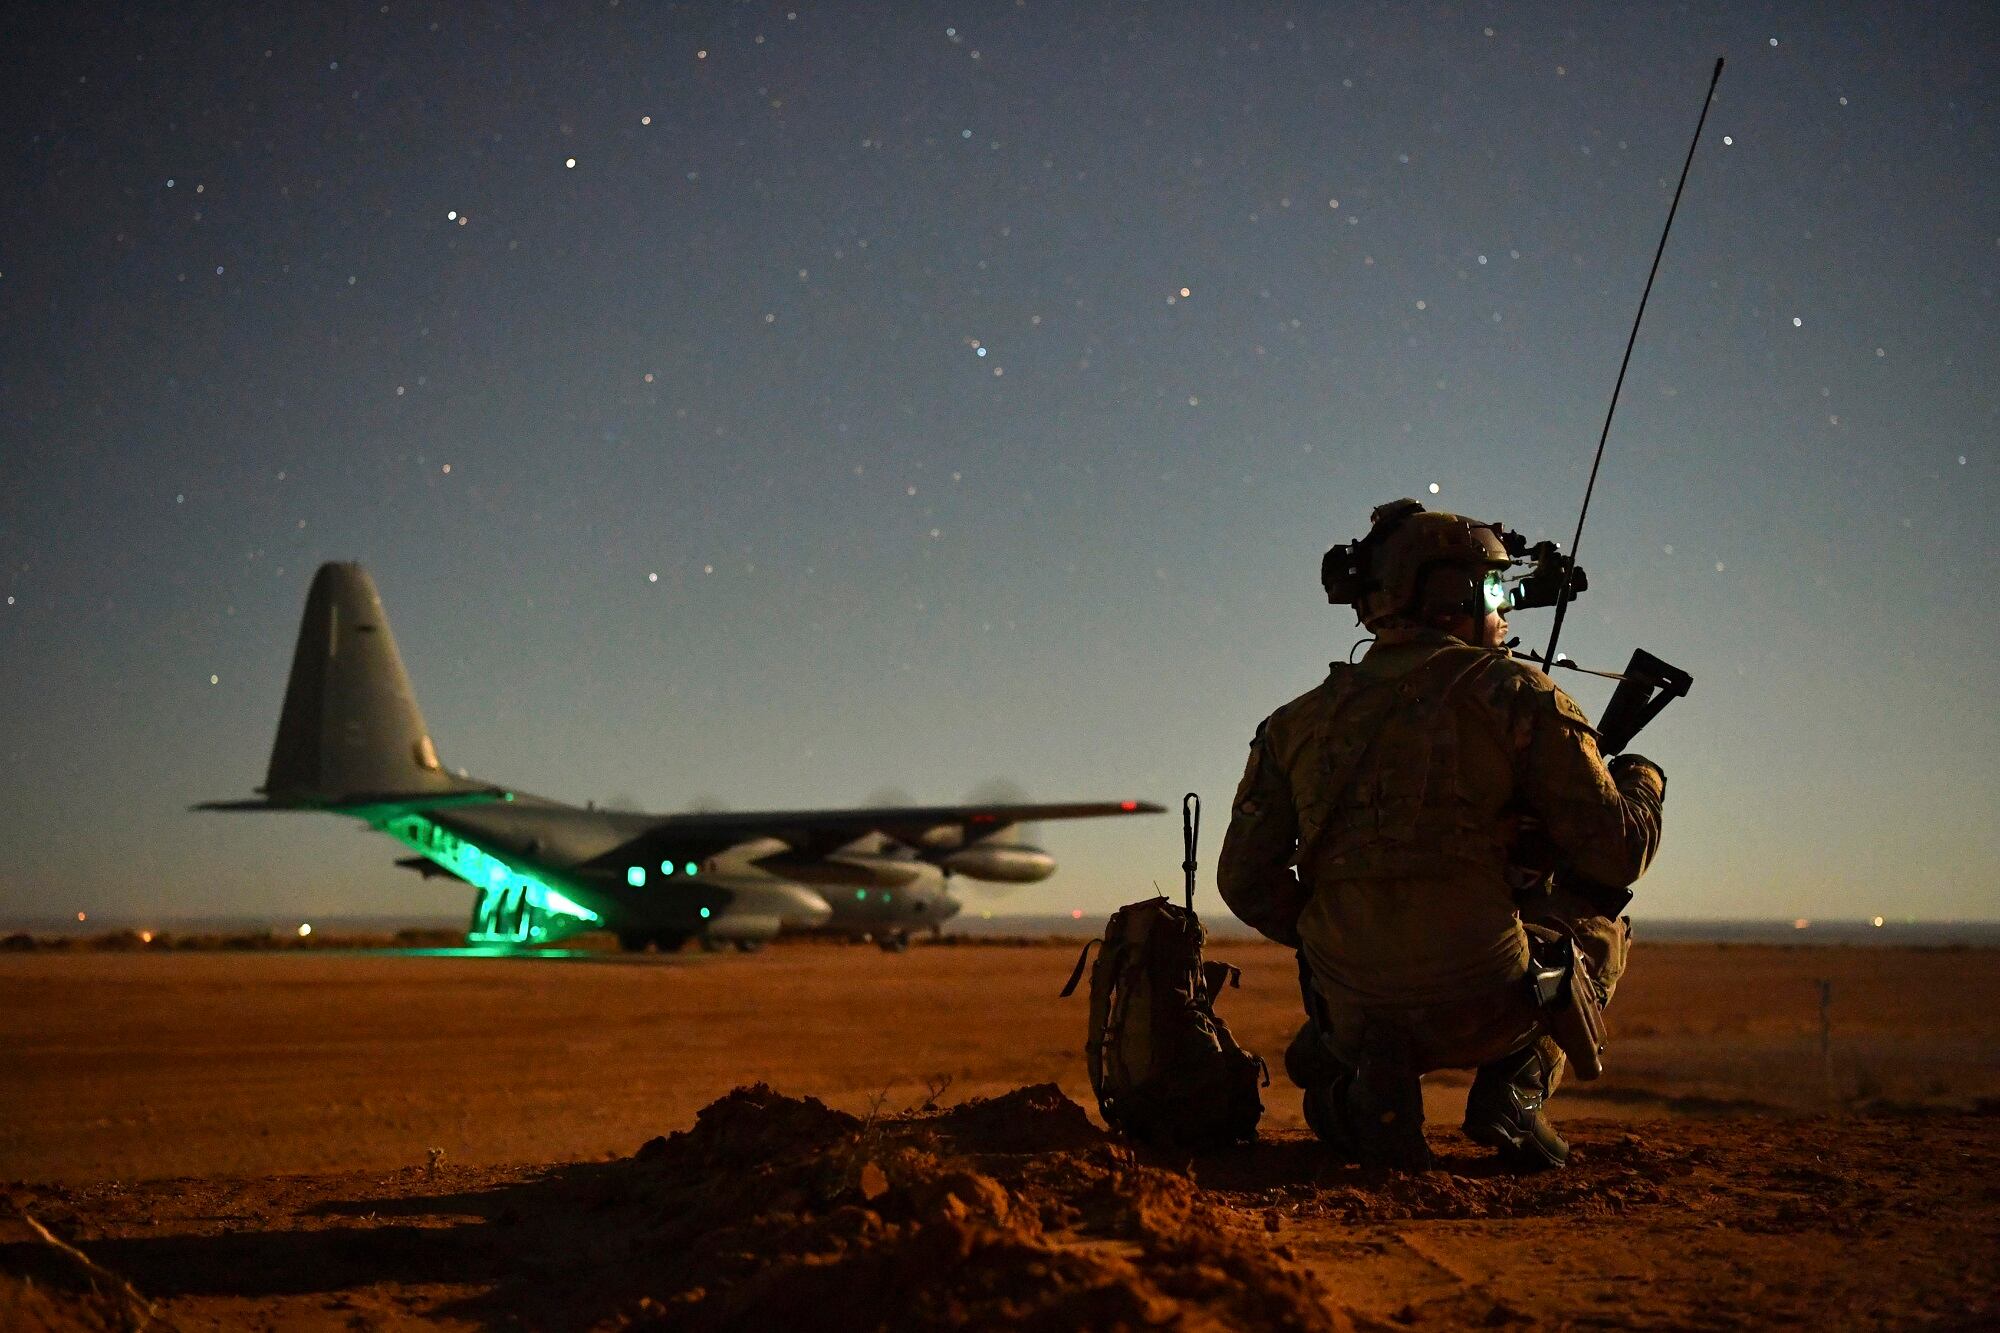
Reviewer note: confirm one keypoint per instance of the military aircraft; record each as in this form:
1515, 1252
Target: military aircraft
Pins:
352, 742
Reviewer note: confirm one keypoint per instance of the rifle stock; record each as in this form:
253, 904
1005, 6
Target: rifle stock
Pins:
1648, 687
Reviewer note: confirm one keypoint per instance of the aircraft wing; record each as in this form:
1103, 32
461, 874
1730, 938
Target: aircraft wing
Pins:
823, 831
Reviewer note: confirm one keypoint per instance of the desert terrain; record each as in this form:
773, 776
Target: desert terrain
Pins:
320, 1138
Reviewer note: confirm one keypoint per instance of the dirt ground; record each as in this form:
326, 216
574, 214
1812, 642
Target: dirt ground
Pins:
369, 1140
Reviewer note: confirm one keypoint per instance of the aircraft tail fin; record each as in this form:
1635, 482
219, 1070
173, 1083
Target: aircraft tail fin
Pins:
350, 722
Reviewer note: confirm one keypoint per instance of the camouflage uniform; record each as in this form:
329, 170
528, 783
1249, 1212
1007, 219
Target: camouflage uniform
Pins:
1377, 830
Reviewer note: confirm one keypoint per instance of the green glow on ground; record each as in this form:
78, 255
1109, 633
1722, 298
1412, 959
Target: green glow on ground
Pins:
515, 905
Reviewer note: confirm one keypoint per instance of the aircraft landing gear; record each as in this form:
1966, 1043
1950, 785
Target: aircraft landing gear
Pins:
669, 941
633, 941
749, 946
893, 941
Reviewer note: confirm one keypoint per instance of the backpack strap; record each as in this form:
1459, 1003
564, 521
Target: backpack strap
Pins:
1076, 975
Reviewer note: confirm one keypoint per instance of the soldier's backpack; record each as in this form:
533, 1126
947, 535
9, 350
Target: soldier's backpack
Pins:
1163, 1064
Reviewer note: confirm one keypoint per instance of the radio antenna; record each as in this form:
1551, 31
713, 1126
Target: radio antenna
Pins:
1563, 595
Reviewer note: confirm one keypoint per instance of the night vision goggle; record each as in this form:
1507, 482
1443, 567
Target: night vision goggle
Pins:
1540, 582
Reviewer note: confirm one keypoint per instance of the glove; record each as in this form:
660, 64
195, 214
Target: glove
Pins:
1623, 764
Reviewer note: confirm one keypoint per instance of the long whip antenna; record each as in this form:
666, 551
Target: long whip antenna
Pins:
1563, 598
1190, 835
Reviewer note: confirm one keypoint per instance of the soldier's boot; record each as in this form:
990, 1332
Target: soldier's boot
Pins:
1385, 1104
1325, 1078
1504, 1110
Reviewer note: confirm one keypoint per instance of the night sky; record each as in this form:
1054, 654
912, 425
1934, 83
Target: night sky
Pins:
773, 406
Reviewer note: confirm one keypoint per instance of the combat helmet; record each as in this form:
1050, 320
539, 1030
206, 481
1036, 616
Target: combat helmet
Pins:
1417, 564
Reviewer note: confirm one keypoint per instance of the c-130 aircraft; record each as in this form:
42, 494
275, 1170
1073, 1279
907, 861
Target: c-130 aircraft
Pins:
352, 742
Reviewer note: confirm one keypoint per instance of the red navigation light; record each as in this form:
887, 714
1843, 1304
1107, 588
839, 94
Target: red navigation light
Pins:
983, 819
1076, 914
1128, 805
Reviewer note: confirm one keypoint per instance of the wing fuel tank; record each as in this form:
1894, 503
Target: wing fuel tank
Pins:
1008, 863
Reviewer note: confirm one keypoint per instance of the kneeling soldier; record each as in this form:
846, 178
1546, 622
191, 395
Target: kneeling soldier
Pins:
1381, 829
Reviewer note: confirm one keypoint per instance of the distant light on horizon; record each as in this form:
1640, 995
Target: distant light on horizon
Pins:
1876, 922
1800, 924
305, 929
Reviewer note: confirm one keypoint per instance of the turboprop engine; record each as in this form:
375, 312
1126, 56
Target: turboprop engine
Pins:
1006, 863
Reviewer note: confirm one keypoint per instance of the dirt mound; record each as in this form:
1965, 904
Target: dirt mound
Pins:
775, 1210
1038, 1118
750, 1125
1009, 1210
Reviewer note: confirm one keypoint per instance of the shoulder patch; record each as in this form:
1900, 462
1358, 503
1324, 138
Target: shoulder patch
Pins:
1569, 709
